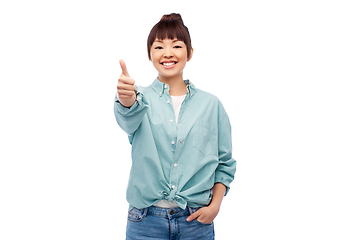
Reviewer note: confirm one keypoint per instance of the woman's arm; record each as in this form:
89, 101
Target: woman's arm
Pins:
208, 214
130, 105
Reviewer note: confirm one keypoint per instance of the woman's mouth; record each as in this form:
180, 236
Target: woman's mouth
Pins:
169, 64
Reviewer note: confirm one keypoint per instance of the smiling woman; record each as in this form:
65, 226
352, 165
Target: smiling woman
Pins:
181, 139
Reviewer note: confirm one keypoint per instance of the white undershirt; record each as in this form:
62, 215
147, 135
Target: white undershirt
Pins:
176, 102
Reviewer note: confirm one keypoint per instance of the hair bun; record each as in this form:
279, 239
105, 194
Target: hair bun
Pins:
172, 17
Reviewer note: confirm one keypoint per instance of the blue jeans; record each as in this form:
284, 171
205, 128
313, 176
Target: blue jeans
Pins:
161, 223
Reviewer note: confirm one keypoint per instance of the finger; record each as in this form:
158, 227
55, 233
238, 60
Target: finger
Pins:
193, 216
126, 80
125, 96
125, 92
125, 86
123, 67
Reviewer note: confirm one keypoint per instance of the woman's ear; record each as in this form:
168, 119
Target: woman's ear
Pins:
191, 54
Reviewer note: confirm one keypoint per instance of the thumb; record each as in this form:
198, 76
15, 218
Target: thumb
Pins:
123, 67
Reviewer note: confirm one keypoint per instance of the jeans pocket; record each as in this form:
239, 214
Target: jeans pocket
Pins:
192, 210
137, 215
201, 223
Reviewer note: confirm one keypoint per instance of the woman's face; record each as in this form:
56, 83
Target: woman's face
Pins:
169, 57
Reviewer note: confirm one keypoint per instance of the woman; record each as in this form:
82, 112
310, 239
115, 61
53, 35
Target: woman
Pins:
182, 162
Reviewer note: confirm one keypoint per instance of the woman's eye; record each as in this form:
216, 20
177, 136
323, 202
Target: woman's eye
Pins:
177, 47
158, 47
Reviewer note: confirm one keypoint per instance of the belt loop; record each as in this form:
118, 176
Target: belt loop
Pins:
145, 212
190, 210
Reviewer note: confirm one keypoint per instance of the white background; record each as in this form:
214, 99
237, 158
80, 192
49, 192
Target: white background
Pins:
287, 73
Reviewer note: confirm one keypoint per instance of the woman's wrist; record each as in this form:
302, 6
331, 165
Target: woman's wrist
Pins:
215, 207
219, 190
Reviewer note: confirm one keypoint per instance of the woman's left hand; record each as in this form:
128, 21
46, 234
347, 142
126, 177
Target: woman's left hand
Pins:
207, 214
204, 215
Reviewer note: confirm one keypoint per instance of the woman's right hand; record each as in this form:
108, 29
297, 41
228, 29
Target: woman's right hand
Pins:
126, 87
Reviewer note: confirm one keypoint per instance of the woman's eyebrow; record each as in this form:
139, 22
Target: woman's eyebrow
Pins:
161, 41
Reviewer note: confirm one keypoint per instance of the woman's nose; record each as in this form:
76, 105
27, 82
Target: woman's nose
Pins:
168, 53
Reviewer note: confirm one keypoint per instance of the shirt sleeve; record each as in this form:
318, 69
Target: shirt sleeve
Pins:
129, 119
225, 171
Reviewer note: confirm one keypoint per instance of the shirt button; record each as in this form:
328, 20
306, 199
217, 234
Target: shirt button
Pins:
165, 86
173, 187
168, 101
171, 120
173, 142
175, 165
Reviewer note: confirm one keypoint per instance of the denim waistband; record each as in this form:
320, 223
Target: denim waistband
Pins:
170, 212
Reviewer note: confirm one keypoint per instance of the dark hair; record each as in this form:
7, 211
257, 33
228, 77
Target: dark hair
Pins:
170, 26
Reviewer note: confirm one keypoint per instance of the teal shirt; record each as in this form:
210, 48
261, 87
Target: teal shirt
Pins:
176, 162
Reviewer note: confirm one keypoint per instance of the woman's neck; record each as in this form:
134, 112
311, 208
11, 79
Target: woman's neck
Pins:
176, 84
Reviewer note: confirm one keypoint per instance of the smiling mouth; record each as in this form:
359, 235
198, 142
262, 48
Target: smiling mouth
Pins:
168, 64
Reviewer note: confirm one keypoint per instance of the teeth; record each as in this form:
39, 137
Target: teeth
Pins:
168, 64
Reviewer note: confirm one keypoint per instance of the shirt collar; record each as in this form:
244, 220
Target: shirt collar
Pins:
160, 87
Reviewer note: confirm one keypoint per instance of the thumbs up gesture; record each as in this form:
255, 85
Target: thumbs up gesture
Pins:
126, 87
